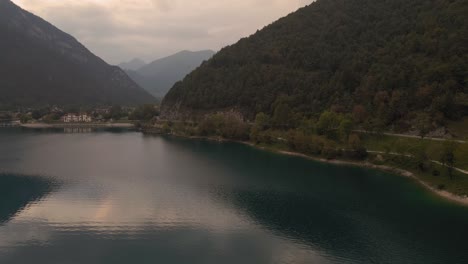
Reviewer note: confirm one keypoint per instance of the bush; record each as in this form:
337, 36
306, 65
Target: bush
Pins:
144, 112
227, 125
329, 150
357, 154
300, 142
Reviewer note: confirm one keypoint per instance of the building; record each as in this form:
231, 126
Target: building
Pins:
77, 118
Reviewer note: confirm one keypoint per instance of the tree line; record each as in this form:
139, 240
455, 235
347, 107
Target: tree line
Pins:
399, 65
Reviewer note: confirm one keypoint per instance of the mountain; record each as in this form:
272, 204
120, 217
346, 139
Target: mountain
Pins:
160, 75
132, 65
41, 65
388, 60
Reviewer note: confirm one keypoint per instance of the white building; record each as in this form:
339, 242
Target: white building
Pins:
77, 118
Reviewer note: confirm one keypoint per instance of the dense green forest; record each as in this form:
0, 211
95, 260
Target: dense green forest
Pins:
388, 62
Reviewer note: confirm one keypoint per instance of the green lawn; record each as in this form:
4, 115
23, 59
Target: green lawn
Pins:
437, 176
410, 146
457, 185
459, 128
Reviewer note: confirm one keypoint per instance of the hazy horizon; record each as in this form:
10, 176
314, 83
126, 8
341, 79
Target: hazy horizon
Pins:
120, 30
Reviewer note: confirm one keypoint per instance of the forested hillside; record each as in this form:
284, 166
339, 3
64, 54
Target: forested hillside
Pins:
389, 62
41, 65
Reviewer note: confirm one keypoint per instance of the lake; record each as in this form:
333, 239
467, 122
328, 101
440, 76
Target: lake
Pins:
116, 196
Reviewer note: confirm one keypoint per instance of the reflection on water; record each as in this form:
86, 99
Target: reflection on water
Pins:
78, 130
129, 198
17, 191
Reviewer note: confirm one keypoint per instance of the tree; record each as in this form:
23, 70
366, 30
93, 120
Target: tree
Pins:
358, 150
359, 113
282, 115
262, 121
36, 114
410, 67
330, 150
448, 156
308, 126
24, 118
345, 128
207, 127
145, 112
297, 141
354, 141
116, 112
328, 124
422, 157
423, 124
234, 127
259, 132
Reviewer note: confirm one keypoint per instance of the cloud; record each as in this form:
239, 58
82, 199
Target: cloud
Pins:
119, 30
163, 5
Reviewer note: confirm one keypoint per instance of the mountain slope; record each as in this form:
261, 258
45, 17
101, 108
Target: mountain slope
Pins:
40, 64
160, 75
392, 59
132, 65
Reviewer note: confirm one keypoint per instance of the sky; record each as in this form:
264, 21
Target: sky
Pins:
120, 30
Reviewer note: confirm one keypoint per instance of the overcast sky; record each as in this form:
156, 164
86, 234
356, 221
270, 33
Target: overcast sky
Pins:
119, 30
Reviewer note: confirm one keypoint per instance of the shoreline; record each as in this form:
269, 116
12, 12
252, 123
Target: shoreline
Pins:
363, 164
78, 125
394, 170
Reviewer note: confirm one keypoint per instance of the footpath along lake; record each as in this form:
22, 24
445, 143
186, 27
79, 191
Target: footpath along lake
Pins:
116, 196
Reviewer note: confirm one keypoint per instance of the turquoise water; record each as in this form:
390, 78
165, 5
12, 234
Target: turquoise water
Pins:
123, 197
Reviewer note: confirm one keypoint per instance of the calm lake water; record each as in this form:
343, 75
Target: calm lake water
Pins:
123, 197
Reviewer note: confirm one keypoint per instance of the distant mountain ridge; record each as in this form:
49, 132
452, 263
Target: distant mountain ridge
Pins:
132, 65
160, 75
388, 61
41, 65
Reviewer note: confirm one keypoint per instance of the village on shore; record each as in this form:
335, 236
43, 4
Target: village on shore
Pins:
108, 116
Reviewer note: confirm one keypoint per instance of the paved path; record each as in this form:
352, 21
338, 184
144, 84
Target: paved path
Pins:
411, 136
411, 156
